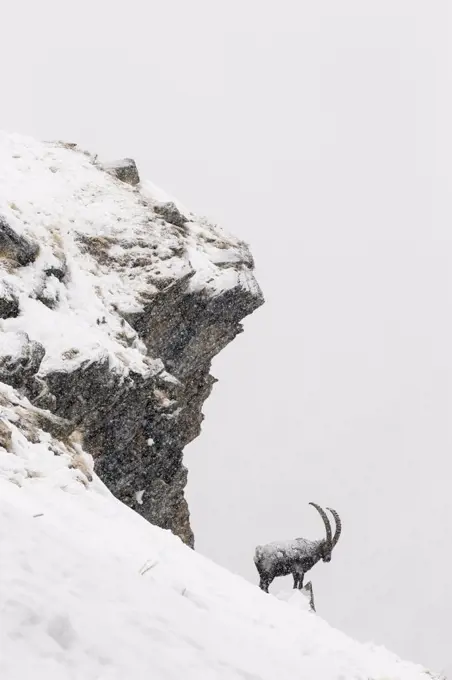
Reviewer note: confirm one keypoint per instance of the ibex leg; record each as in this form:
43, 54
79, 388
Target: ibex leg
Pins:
298, 581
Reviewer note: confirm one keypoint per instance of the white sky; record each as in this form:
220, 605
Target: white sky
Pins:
319, 132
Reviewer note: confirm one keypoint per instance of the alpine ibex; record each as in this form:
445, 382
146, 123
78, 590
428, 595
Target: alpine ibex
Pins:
297, 556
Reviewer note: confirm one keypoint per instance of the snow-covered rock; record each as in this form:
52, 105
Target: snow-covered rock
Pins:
113, 300
89, 590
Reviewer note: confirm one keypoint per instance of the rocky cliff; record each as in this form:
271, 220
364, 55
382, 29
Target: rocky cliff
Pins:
113, 301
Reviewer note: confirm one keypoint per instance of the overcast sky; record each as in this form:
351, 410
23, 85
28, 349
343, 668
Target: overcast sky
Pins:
319, 131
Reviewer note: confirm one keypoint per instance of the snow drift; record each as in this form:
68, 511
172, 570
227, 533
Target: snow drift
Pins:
89, 590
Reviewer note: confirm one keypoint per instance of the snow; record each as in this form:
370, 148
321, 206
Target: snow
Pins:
116, 250
159, 195
12, 343
139, 496
88, 589
91, 591
295, 598
286, 553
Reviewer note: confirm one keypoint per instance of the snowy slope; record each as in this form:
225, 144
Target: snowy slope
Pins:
91, 591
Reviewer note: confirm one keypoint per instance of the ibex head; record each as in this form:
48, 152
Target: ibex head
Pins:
327, 544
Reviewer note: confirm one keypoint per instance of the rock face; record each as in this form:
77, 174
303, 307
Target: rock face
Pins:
9, 304
16, 247
125, 170
114, 320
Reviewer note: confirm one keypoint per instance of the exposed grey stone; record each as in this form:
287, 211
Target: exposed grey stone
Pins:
19, 369
48, 294
188, 329
16, 247
9, 304
59, 270
117, 417
60, 436
171, 213
39, 394
67, 145
125, 170
57, 427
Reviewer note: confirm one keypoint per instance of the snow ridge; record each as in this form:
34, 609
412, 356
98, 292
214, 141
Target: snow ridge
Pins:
105, 247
